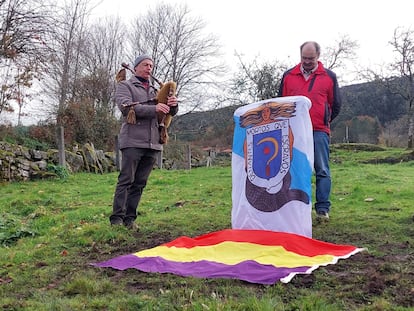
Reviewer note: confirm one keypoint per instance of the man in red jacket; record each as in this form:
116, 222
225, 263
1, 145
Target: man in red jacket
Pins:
309, 78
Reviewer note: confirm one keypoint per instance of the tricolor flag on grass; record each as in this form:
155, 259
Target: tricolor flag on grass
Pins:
255, 256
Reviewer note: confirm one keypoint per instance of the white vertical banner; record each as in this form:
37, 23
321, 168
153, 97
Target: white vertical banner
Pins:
272, 165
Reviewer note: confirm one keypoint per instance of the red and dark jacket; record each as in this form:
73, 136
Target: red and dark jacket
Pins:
321, 88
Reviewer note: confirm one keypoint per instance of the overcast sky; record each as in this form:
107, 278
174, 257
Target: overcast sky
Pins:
272, 29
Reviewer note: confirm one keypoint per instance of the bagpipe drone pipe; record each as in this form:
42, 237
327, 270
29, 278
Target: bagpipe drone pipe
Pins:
166, 90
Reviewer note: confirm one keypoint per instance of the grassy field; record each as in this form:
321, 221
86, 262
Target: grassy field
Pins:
50, 232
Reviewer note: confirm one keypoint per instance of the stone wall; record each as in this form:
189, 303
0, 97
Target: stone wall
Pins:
18, 163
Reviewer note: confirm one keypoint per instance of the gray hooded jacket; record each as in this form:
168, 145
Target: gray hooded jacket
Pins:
145, 133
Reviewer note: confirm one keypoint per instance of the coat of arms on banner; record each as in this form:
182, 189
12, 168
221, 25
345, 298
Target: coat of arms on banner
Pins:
268, 155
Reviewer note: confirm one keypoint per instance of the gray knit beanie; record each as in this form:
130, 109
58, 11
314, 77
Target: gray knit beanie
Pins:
140, 59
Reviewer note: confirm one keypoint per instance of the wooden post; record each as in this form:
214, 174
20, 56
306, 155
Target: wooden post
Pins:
61, 146
188, 157
346, 134
159, 159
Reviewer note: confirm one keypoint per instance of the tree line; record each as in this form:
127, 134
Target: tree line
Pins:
57, 54
370, 114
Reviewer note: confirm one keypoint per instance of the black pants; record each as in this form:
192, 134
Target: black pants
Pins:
136, 166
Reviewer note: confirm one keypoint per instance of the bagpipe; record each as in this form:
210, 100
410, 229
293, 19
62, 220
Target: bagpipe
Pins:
166, 90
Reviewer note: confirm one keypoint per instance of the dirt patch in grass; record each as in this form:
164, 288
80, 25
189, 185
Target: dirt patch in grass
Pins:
359, 279
404, 157
363, 276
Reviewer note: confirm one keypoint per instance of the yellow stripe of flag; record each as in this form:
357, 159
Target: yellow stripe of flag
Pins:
232, 253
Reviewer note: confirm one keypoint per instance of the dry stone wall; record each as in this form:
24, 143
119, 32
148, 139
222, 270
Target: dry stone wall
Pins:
18, 163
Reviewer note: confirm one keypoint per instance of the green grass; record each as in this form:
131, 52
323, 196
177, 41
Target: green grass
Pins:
50, 232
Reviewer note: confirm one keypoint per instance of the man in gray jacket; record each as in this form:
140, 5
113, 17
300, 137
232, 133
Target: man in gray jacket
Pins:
139, 142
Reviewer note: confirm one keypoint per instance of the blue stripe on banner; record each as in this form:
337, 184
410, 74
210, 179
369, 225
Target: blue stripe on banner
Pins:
238, 137
301, 176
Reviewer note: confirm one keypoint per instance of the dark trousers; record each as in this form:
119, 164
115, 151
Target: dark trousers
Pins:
136, 166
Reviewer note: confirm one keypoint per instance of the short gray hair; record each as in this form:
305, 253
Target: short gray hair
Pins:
315, 44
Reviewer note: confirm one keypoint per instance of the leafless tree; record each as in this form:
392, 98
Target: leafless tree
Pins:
82, 74
101, 60
182, 52
403, 45
337, 55
257, 81
398, 76
340, 57
64, 66
95, 87
23, 35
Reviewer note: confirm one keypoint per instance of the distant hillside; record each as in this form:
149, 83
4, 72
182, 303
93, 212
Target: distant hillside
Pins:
208, 128
215, 127
369, 99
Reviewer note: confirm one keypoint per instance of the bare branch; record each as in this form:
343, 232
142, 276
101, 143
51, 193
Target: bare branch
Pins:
180, 49
343, 50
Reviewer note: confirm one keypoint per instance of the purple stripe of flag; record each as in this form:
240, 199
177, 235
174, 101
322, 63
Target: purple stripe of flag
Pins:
249, 270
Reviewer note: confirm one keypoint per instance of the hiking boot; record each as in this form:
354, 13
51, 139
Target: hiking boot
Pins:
131, 225
116, 222
322, 216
